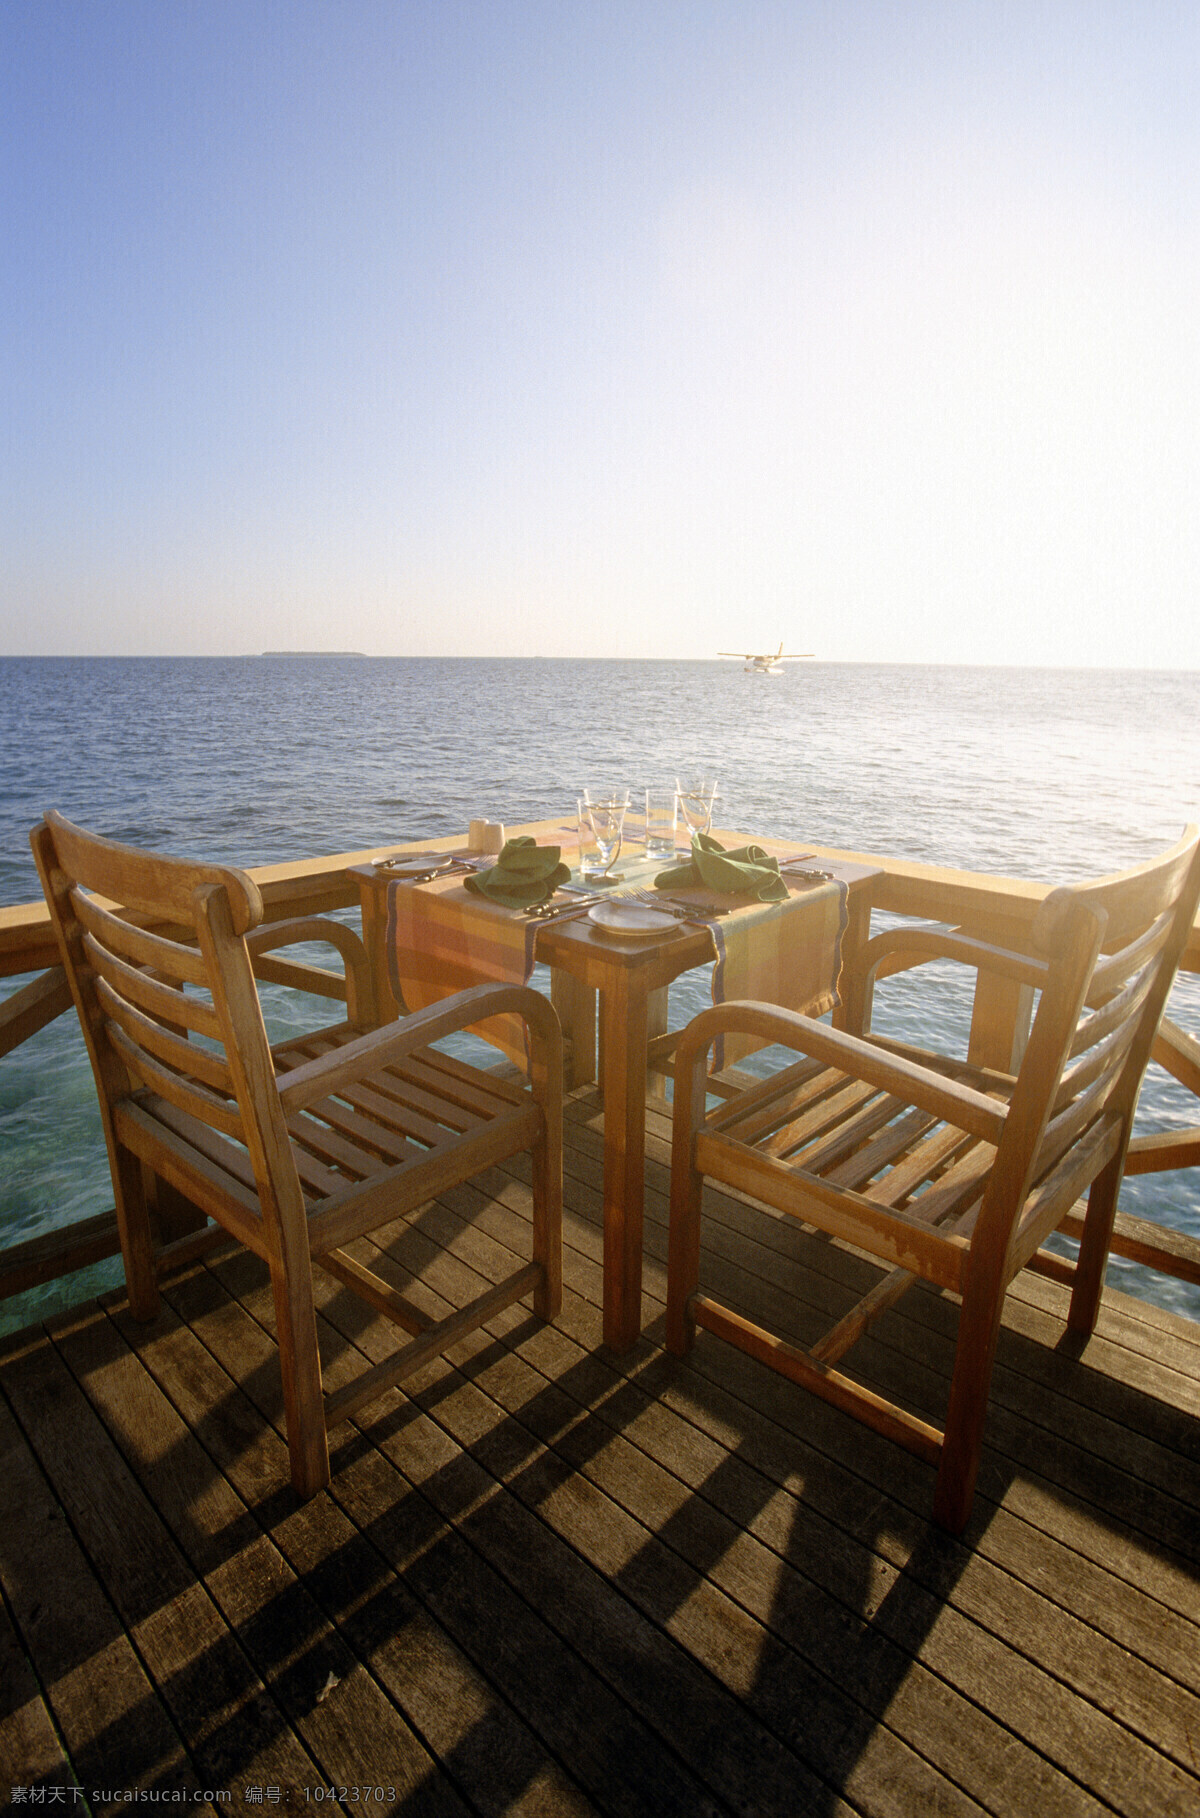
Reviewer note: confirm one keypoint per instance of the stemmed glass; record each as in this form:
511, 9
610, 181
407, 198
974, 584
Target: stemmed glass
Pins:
696, 795
602, 815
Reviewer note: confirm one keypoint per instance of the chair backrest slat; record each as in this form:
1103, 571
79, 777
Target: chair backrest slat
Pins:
1116, 1009
185, 1095
170, 958
1100, 1060
1130, 899
163, 888
1113, 968
186, 1058
1069, 1124
163, 1001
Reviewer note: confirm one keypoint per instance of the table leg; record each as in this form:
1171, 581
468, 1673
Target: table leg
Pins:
373, 907
847, 1015
657, 1013
623, 1021
576, 1006
1000, 1022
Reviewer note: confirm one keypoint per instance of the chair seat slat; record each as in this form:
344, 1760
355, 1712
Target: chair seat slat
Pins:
806, 1124
400, 1133
472, 1088
354, 1210
366, 1145
211, 1186
850, 1135
387, 1101
324, 1162
951, 1197
889, 1148
763, 1107
929, 1159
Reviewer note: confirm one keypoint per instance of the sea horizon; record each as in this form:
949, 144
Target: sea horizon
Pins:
210, 656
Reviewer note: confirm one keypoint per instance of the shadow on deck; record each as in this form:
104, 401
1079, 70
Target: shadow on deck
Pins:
553, 1581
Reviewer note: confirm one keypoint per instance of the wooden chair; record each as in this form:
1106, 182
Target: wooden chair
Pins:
296, 1151
941, 1170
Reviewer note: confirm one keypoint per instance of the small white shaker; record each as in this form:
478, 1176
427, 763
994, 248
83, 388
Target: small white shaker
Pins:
486, 836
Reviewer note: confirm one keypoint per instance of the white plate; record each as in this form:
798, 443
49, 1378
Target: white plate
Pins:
632, 923
417, 864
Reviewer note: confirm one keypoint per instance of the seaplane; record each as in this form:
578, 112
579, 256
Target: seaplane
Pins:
768, 664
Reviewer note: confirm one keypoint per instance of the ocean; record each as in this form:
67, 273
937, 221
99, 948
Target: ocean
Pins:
1047, 774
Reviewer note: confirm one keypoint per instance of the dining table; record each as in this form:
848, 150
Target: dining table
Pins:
603, 984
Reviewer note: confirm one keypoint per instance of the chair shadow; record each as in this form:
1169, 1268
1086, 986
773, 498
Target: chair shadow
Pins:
686, 1582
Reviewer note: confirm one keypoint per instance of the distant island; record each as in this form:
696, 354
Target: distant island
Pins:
311, 653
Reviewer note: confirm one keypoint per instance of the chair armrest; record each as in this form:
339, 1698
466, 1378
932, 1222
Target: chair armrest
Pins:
380, 1047
852, 1054
932, 943
899, 949
357, 985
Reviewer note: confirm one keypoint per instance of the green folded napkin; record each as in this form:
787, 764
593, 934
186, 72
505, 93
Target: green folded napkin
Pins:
524, 874
746, 871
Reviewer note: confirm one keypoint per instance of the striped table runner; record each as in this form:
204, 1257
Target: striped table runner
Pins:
443, 938
779, 953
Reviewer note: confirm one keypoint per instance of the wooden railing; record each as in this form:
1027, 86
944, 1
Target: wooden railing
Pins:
996, 909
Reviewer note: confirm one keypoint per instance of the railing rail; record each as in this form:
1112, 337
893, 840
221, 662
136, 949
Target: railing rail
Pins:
998, 909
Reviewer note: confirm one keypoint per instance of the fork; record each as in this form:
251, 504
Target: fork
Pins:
667, 906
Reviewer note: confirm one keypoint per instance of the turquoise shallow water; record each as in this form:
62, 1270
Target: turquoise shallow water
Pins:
1048, 774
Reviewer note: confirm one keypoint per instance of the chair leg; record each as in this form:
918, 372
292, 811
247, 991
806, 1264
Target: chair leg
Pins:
687, 1194
137, 1242
547, 1219
683, 1254
962, 1443
300, 1370
1092, 1261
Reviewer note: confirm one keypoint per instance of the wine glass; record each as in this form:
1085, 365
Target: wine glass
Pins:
601, 826
696, 793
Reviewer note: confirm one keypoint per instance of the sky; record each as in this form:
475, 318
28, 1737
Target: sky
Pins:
589, 328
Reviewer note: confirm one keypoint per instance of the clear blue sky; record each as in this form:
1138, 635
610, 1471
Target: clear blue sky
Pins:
572, 328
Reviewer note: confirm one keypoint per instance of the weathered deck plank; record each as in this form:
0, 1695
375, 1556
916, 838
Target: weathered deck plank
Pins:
552, 1581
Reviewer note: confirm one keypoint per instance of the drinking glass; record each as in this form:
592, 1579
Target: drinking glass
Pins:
696, 794
601, 826
661, 808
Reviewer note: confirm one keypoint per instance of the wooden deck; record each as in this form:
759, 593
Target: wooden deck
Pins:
551, 1581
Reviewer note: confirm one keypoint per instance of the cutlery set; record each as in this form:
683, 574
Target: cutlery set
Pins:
457, 867
549, 911
795, 872
673, 905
